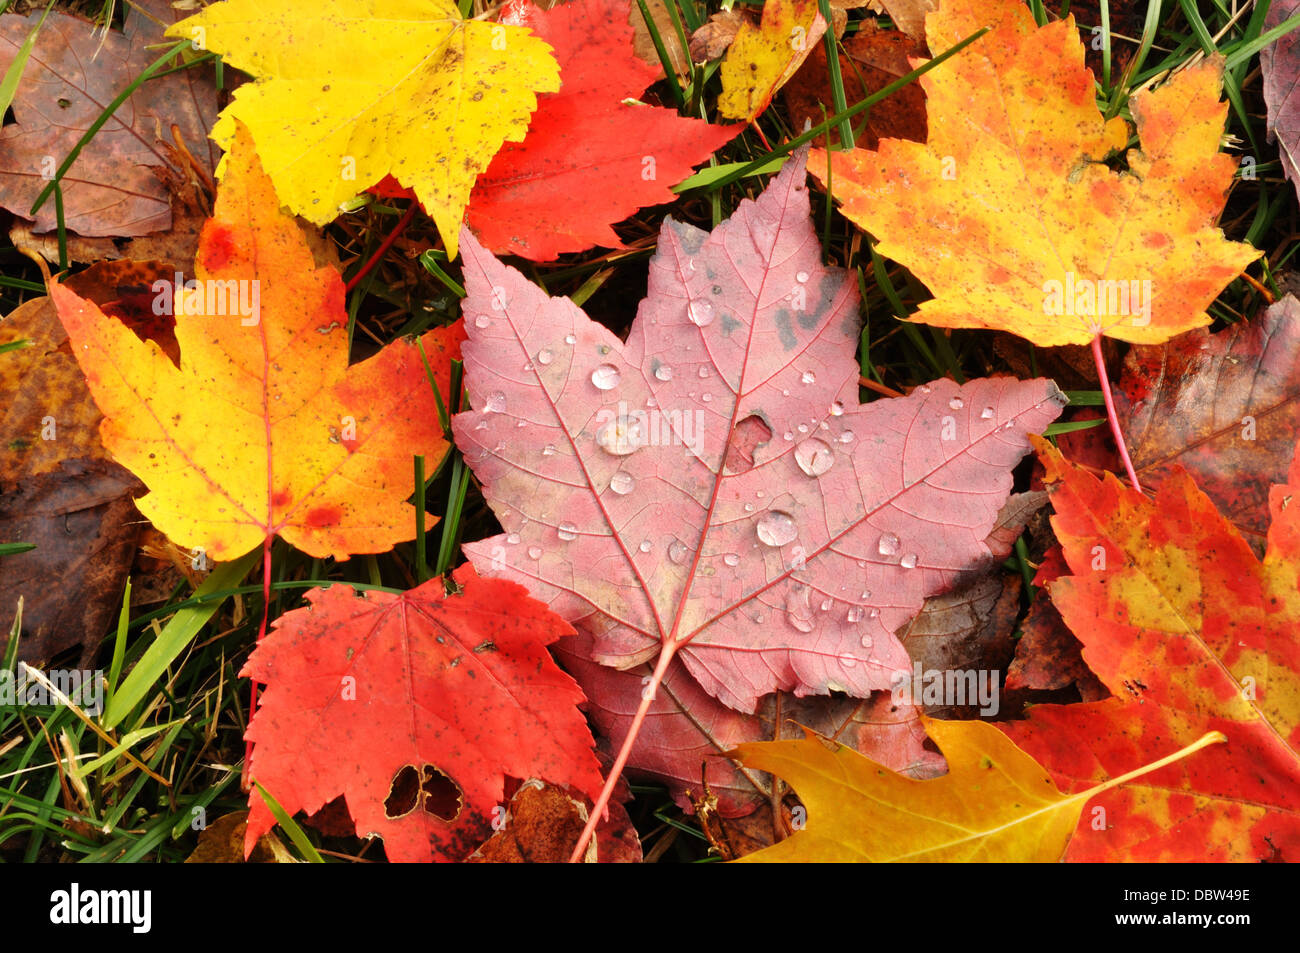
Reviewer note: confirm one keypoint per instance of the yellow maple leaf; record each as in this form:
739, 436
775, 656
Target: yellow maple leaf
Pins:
349, 91
762, 58
1009, 214
263, 429
996, 804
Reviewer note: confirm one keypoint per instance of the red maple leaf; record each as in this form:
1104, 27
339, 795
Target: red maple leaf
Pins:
415, 707
591, 157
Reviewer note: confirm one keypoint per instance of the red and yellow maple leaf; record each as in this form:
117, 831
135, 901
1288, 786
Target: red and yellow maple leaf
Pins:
263, 429
1008, 212
1192, 633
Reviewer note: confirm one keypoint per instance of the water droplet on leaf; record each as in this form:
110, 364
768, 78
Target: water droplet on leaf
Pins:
776, 528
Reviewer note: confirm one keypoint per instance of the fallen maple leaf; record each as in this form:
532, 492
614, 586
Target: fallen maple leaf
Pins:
758, 491
363, 690
762, 58
591, 157
872, 58
1008, 213
263, 430
72, 75
59, 489
711, 488
349, 91
1279, 63
1192, 633
995, 804
1225, 407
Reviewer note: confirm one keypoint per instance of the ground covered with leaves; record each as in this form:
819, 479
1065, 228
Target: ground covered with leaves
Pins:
809, 430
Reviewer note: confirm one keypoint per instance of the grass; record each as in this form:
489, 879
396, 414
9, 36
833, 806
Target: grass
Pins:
166, 756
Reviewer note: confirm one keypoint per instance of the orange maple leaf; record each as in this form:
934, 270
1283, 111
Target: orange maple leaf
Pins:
1008, 212
1191, 633
263, 429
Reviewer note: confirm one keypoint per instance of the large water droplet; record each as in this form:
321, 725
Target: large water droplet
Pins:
545, 356
749, 507
776, 528
622, 483
837, 409
678, 551
646, 546
549, 450
846, 437
798, 611
621, 436
986, 413
801, 277
496, 403
706, 397
534, 552
873, 613
704, 371
700, 312
570, 339
865, 641
802, 428
512, 539
482, 321
814, 457
826, 604
808, 377
731, 559
605, 377
956, 403
855, 613
566, 531
908, 561
663, 372
888, 545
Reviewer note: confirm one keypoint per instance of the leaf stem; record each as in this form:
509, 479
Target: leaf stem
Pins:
648, 693
1110, 412
386, 244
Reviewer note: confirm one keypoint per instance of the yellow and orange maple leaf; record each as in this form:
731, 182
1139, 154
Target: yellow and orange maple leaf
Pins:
349, 91
263, 429
1008, 212
996, 804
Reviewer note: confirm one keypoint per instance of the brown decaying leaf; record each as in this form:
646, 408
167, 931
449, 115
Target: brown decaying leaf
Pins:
1225, 407
1048, 656
542, 827
113, 188
872, 59
58, 487
222, 842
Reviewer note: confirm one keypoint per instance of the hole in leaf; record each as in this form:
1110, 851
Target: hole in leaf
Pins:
10, 119
438, 794
749, 434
